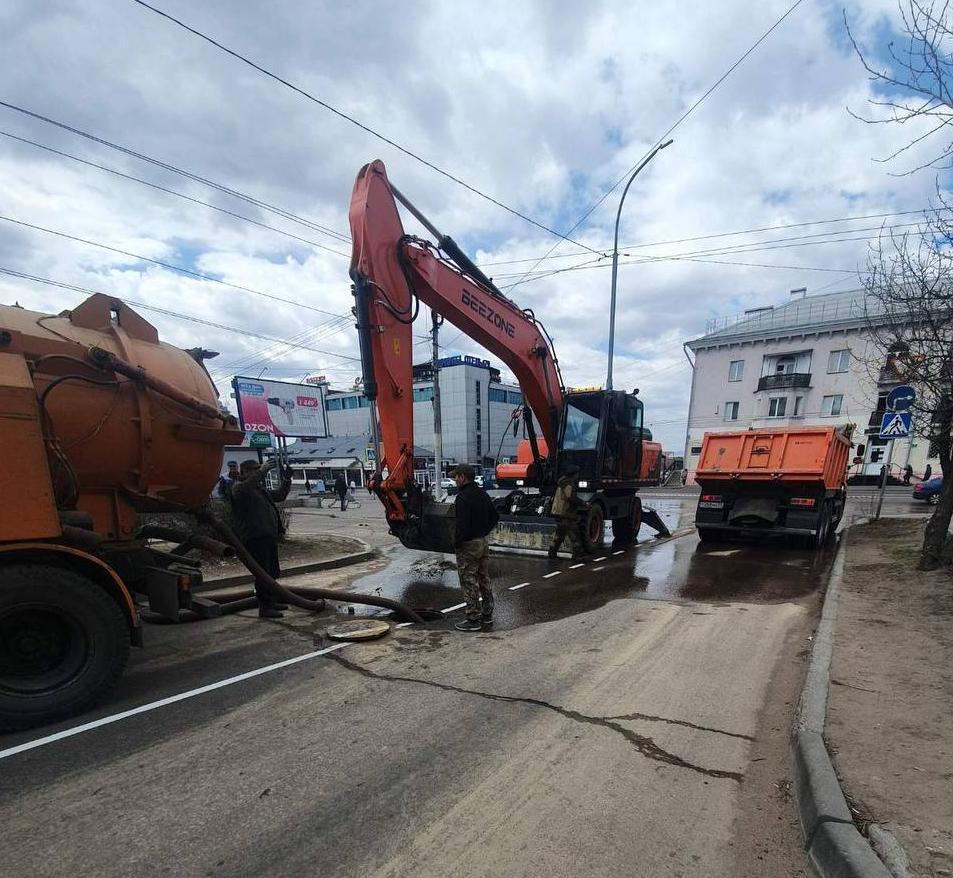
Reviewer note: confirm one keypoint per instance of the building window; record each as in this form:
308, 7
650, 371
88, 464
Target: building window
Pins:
352, 402
831, 405
423, 394
696, 449
777, 406
479, 439
838, 361
798, 406
736, 371
731, 411
496, 394
478, 392
514, 398
334, 405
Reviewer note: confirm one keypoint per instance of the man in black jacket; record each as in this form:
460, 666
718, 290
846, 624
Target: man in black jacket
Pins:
259, 525
475, 518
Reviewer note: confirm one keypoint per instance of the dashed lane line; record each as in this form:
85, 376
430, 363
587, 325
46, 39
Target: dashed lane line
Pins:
517, 587
576, 566
597, 569
597, 560
454, 607
620, 552
551, 575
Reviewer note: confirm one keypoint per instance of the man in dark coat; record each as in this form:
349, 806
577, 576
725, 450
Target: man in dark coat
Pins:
340, 488
475, 517
259, 525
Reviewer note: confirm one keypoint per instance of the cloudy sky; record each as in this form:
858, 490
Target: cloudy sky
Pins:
541, 105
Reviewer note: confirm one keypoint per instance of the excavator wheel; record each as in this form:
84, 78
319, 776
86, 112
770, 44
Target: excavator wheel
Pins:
593, 527
64, 643
625, 531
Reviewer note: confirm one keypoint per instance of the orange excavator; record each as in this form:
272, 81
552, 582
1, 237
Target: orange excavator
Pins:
597, 433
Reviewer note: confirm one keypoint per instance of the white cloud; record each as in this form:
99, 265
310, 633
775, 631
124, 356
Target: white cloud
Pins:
541, 105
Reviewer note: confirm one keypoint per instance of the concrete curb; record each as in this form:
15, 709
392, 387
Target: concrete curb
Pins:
365, 554
834, 846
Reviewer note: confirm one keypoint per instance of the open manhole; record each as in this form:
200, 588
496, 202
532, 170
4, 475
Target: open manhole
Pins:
358, 629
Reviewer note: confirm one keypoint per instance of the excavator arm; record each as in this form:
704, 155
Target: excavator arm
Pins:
392, 273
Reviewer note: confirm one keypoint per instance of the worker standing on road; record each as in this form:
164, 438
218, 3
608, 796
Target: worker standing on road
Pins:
475, 518
260, 527
340, 488
565, 511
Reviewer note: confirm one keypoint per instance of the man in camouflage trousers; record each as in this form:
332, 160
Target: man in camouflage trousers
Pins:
475, 518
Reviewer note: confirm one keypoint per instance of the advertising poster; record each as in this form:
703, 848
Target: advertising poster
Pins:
280, 408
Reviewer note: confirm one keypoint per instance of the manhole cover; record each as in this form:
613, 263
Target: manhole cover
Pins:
358, 629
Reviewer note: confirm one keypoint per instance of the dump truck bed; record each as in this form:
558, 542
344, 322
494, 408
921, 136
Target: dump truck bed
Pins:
814, 455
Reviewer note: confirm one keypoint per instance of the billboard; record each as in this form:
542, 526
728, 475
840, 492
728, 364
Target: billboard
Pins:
280, 408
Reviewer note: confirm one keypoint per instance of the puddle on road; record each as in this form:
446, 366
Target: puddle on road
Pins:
680, 569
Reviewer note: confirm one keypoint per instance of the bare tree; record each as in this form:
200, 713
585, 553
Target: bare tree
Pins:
909, 301
917, 85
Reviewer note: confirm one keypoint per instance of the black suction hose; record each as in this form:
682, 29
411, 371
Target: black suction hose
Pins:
229, 537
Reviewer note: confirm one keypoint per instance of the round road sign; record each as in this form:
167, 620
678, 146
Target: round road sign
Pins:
901, 398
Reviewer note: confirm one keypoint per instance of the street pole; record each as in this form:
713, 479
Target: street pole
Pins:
437, 424
615, 255
883, 479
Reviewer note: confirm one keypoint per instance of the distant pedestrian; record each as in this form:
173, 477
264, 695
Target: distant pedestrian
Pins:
340, 488
259, 526
907, 474
227, 482
475, 517
307, 485
927, 473
684, 476
319, 486
351, 488
565, 509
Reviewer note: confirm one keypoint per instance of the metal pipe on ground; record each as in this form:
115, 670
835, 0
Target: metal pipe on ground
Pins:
290, 597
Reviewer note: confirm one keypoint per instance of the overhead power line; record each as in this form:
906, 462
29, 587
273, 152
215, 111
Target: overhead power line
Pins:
305, 94
168, 191
178, 268
673, 126
176, 314
243, 196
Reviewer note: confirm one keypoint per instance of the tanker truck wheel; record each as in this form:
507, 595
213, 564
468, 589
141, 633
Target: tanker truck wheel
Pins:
63, 644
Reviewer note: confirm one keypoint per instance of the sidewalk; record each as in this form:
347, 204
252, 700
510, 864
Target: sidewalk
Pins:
890, 709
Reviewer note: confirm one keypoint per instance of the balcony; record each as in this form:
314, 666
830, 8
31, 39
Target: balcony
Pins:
784, 381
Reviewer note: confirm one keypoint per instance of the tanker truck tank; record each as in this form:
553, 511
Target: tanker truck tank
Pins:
100, 421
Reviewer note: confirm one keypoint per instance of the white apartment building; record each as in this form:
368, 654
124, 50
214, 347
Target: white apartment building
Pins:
475, 405
806, 362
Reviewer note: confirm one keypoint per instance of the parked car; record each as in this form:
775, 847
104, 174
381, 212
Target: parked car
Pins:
928, 491
447, 483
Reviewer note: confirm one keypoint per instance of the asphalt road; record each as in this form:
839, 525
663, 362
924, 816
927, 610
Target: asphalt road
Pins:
629, 716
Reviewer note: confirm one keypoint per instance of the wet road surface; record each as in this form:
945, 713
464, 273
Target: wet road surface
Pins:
629, 716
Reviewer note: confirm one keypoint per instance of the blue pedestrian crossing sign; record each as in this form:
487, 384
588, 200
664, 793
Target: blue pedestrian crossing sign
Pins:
895, 425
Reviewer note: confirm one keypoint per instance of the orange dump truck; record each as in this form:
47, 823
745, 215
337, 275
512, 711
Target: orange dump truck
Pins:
782, 481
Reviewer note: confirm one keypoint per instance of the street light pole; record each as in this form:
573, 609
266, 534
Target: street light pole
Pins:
615, 255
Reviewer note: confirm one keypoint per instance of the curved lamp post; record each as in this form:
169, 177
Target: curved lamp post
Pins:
615, 255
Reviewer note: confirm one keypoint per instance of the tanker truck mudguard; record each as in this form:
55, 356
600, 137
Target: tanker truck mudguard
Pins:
785, 481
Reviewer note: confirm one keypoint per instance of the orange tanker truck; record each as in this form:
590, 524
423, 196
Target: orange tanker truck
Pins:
777, 481
101, 422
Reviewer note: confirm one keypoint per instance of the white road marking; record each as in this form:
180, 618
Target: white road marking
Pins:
597, 560
454, 607
726, 552
597, 569
554, 573
576, 566
516, 587
620, 552
162, 702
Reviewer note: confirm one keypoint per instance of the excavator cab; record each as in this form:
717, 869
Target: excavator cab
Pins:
601, 434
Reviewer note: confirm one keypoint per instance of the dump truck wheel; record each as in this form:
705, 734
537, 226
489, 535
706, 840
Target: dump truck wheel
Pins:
63, 644
626, 530
594, 526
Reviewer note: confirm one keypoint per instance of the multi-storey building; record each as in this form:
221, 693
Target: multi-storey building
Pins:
476, 411
809, 361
